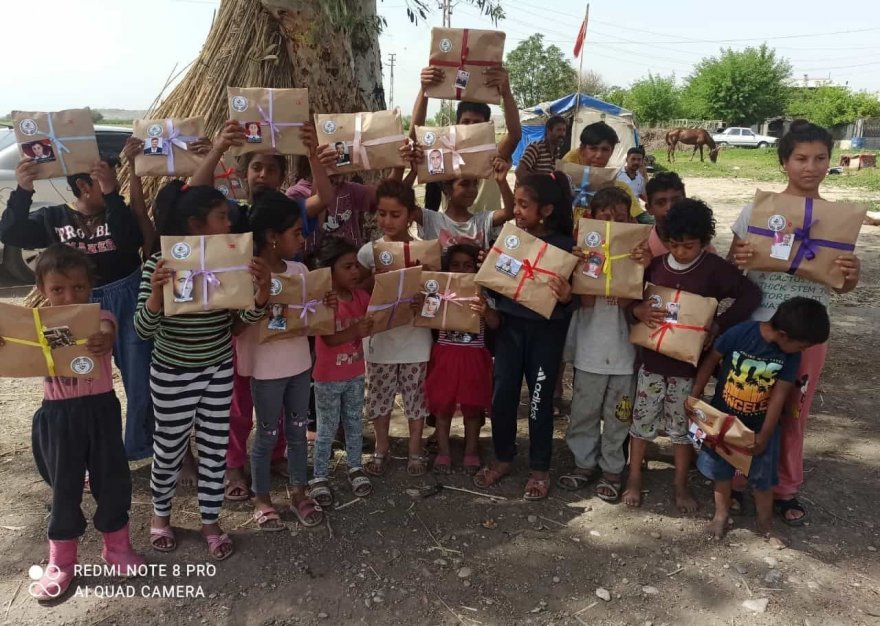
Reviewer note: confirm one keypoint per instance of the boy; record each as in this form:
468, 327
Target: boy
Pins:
663, 382
597, 145
759, 364
661, 192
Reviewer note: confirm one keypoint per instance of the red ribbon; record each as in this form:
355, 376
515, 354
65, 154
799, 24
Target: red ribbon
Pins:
407, 261
227, 174
464, 61
530, 269
666, 326
717, 442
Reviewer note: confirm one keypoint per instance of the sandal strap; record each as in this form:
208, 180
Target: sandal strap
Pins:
315, 482
261, 516
164, 532
217, 541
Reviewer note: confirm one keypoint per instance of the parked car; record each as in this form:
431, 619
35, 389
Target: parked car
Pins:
738, 136
19, 264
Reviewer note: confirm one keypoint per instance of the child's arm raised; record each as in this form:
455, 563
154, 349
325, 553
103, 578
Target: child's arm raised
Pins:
321, 186
19, 226
498, 77
136, 199
429, 76
504, 214
151, 298
232, 134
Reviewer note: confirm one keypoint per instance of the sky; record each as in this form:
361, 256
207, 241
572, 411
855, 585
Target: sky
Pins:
118, 54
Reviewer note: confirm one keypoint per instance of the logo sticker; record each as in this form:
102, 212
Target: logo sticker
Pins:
656, 301
329, 127
511, 242
82, 365
593, 239
445, 45
432, 286
275, 287
28, 126
181, 251
776, 223
429, 139
386, 258
223, 189
154, 130
239, 103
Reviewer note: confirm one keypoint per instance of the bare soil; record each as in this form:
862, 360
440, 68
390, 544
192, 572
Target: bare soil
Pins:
399, 558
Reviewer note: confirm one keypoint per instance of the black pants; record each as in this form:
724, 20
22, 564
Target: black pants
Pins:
70, 437
530, 348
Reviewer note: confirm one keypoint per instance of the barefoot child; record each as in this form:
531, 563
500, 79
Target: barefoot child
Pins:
460, 373
339, 373
77, 429
759, 364
191, 372
663, 382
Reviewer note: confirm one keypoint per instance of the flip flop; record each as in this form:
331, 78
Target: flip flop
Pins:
486, 477
163, 532
265, 518
471, 464
304, 508
541, 485
577, 479
239, 485
215, 542
442, 464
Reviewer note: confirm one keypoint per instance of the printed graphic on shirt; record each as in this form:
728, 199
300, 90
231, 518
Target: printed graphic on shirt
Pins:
749, 383
455, 336
91, 243
354, 352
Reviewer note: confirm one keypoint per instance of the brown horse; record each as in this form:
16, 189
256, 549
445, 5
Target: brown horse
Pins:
696, 137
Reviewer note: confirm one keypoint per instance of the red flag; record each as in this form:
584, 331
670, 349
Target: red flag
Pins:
579, 42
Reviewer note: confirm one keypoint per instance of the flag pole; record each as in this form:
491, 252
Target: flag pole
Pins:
577, 107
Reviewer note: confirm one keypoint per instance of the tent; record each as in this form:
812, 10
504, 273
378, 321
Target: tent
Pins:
591, 110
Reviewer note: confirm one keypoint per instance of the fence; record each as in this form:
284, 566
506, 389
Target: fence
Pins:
710, 125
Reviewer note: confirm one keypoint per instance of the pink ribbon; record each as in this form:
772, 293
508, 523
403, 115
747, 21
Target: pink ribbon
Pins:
359, 147
307, 306
174, 138
268, 120
449, 141
452, 297
208, 276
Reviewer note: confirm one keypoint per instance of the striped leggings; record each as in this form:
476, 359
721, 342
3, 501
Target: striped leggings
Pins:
184, 398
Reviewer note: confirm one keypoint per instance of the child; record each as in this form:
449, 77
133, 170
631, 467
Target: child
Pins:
191, 372
529, 345
663, 382
460, 373
604, 379
759, 364
662, 191
279, 371
79, 428
397, 359
804, 154
597, 145
339, 373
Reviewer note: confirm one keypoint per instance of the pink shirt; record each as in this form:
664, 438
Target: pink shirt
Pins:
281, 358
64, 388
346, 361
657, 247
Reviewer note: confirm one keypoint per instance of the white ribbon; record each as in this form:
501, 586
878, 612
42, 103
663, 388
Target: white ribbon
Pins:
359, 148
449, 141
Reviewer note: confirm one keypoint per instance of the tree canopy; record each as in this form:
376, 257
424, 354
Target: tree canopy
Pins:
539, 73
831, 105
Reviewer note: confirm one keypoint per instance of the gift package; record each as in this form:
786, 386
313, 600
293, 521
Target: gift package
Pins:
228, 182
607, 269
683, 332
391, 301
586, 180
398, 255
460, 151
210, 272
463, 54
447, 299
62, 143
520, 265
724, 433
296, 306
166, 146
363, 141
803, 236
49, 341
271, 118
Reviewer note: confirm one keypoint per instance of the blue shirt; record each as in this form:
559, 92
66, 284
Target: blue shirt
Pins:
749, 369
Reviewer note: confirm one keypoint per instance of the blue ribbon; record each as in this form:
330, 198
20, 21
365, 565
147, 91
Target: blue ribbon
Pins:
583, 196
59, 145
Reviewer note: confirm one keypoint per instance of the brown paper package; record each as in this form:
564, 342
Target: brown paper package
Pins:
184, 162
228, 182
288, 109
738, 437
398, 255
222, 252
74, 130
682, 340
377, 148
600, 177
457, 293
627, 276
504, 269
288, 302
471, 147
838, 222
484, 49
398, 287
81, 321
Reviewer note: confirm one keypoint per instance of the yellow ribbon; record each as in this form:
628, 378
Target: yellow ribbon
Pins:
41, 342
606, 264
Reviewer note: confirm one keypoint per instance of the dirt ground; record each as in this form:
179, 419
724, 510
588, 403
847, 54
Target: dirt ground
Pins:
398, 558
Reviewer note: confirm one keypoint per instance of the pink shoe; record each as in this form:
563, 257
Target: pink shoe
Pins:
58, 574
119, 554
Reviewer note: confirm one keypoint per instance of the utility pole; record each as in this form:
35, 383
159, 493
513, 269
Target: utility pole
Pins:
447, 14
391, 57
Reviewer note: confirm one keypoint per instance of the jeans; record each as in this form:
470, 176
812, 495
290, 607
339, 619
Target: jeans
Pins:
270, 397
132, 356
339, 401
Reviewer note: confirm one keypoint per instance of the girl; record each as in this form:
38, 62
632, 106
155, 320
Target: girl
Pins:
804, 154
279, 370
397, 360
529, 345
79, 428
191, 372
339, 372
460, 373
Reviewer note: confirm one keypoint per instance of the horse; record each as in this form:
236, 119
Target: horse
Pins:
696, 137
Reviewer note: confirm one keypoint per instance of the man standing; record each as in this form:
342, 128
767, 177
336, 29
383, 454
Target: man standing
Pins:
631, 172
540, 157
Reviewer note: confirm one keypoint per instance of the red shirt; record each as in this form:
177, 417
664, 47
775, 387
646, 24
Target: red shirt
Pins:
345, 361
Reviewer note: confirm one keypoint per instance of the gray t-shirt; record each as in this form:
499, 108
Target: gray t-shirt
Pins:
598, 339
477, 230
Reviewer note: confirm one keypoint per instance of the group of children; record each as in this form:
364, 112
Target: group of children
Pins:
208, 369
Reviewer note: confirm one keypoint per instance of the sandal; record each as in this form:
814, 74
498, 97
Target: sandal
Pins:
781, 507
216, 542
378, 465
268, 520
541, 485
442, 464
236, 490
578, 478
610, 485
471, 464
162, 532
305, 509
417, 465
361, 486
319, 491
487, 476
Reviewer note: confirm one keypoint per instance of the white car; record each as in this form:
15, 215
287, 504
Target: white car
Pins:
19, 263
739, 136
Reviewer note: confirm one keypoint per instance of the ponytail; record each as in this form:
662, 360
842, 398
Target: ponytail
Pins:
553, 189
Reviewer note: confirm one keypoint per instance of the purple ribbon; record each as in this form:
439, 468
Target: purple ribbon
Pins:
209, 276
174, 138
307, 306
392, 305
274, 127
809, 246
